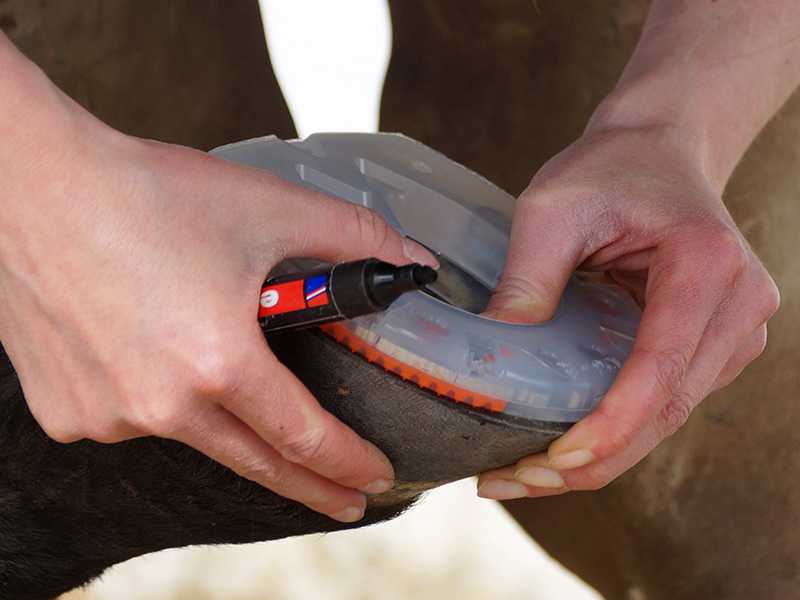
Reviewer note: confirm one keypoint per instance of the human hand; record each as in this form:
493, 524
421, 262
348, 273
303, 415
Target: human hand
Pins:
634, 203
130, 274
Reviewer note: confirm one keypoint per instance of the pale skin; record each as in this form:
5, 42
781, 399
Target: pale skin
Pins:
639, 197
130, 274
130, 269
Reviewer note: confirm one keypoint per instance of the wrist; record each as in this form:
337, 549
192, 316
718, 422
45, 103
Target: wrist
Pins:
50, 143
657, 103
716, 73
36, 118
24, 92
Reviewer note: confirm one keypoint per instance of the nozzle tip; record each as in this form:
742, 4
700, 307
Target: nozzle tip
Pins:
423, 275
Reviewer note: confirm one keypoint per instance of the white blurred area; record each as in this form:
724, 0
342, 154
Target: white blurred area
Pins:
330, 58
451, 546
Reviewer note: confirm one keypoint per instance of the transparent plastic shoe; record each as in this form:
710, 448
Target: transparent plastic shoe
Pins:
554, 371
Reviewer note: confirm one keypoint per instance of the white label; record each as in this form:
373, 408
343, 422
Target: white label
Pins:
269, 298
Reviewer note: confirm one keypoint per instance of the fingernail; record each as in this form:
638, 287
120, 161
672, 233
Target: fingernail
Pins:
418, 254
351, 514
572, 450
388, 470
539, 477
500, 489
377, 487
571, 459
516, 311
490, 313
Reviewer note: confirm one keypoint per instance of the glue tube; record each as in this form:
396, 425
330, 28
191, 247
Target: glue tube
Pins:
345, 291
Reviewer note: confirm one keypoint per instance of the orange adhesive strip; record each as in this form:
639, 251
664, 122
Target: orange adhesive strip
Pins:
408, 373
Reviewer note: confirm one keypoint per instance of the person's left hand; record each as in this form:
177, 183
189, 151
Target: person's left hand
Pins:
637, 205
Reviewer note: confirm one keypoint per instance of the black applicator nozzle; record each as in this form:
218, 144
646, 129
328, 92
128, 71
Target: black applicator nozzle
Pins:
423, 275
386, 282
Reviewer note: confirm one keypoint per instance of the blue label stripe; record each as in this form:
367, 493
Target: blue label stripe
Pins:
315, 285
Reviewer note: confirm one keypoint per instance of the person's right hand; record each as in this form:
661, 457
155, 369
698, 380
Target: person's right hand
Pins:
130, 274
637, 205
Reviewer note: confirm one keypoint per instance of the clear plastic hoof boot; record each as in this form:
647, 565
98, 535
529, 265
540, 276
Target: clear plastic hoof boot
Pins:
556, 371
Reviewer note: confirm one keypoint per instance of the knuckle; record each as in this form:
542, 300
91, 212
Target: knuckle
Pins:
670, 366
538, 195
590, 219
729, 252
616, 432
617, 440
372, 230
62, 430
594, 479
161, 417
213, 371
674, 414
759, 343
599, 219
542, 204
265, 472
770, 298
304, 447
762, 339
156, 420
57, 429
62, 433
515, 286
107, 431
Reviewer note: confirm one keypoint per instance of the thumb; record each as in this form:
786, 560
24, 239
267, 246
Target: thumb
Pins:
547, 243
334, 230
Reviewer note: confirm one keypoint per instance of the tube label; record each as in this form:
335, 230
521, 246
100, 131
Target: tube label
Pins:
290, 296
